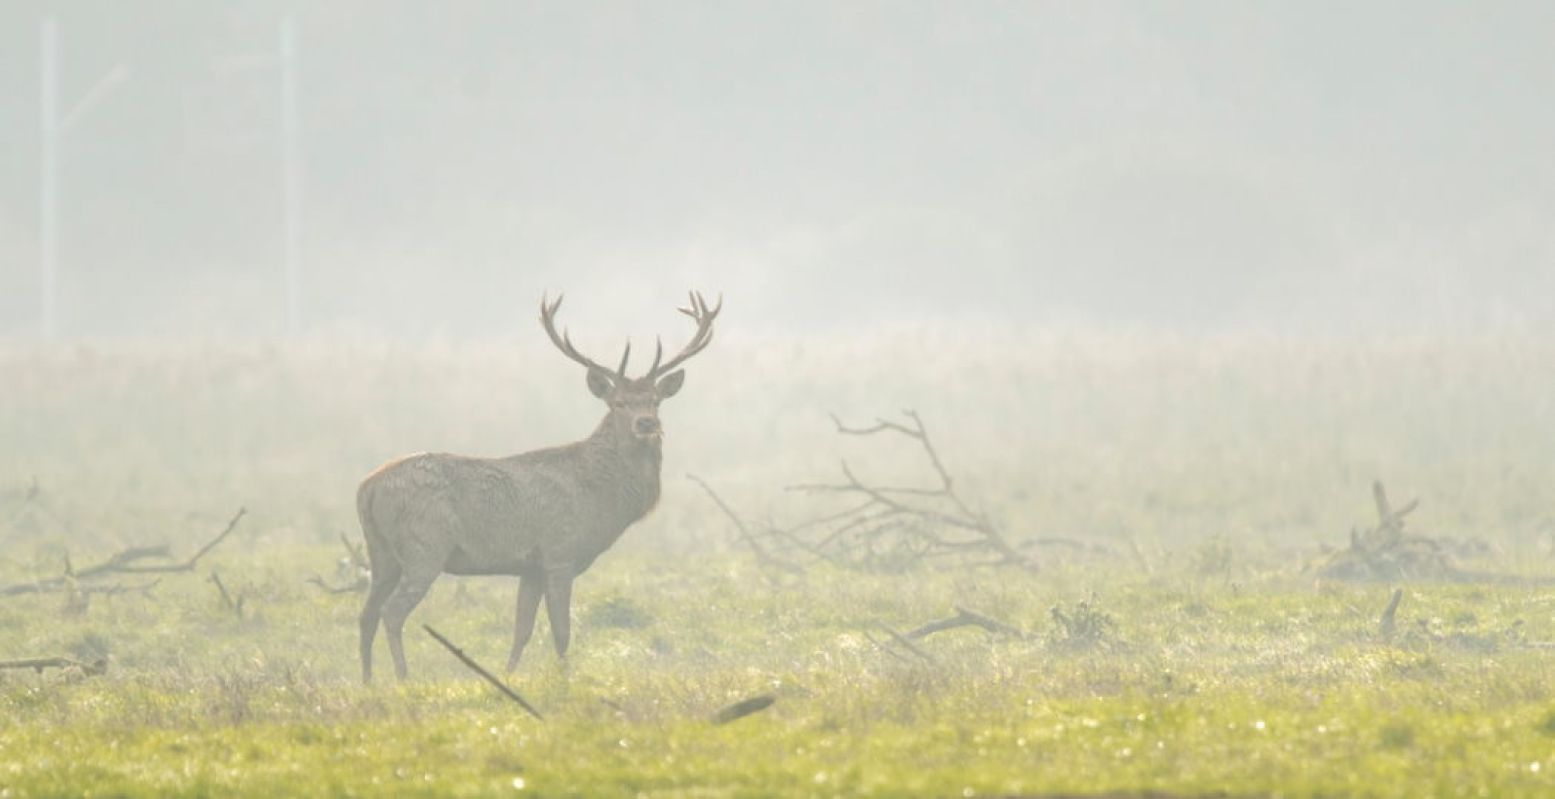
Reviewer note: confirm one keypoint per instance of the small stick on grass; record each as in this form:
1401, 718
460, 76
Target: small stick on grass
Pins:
486, 675
743, 708
1385, 624
908, 645
965, 618
226, 598
99, 666
883, 648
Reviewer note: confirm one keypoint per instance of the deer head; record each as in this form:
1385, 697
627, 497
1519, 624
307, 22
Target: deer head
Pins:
634, 402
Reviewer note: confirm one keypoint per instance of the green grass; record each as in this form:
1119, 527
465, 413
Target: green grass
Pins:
1269, 686
1213, 661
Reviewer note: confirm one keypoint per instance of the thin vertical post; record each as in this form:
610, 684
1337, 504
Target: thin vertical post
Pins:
291, 177
48, 183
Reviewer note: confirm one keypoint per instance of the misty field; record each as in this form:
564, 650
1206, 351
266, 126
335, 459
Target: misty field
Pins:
1188, 646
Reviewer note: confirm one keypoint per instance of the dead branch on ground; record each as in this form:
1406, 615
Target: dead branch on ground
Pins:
743, 708
880, 645
907, 644
96, 667
966, 618
484, 674
1389, 553
127, 561
230, 602
889, 527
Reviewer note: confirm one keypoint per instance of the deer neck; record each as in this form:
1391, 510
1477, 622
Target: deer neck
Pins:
627, 466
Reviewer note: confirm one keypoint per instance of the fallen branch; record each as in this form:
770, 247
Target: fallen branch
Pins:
126, 561
96, 667
895, 526
908, 645
965, 618
880, 645
226, 598
233, 604
485, 675
188, 565
743, 708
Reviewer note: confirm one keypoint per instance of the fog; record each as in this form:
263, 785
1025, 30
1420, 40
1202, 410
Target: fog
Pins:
1066, 375
1228, 166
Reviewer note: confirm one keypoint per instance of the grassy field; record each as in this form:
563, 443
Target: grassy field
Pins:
1201, 656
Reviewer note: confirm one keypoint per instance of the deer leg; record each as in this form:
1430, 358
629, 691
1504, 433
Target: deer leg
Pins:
558, 607
407, 595
385, 578
531, 589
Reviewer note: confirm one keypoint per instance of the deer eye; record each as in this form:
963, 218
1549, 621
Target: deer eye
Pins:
617, 404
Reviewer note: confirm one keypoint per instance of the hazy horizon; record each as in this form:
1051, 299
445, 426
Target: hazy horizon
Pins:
1211, 166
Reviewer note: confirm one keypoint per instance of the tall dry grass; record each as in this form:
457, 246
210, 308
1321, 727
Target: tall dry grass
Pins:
1110, 435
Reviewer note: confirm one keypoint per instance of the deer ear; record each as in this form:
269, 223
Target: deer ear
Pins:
671, 383
599, 383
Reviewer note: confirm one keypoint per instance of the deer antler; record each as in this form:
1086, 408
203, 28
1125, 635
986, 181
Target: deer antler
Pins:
699, 312
703, 316
563, 342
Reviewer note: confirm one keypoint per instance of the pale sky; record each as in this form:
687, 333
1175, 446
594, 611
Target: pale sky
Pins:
1306, 166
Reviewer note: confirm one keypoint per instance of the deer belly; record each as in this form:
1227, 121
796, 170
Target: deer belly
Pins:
463, 562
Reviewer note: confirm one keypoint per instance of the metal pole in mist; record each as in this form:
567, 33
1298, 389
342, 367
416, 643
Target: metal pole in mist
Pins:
291, 177
48, 183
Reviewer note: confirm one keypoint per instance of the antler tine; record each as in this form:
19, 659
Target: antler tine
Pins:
703, 316
563, 340
621, 370
658, 354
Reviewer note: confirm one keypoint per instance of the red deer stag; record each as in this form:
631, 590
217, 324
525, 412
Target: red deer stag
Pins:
543, 516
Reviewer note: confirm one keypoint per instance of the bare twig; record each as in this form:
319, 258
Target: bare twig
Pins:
743, 708
126, 561
883, 648
911, 502
966, 618
485, 675
762, 555
906, 644
354, 550
226, 598
96, 667
189, 564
